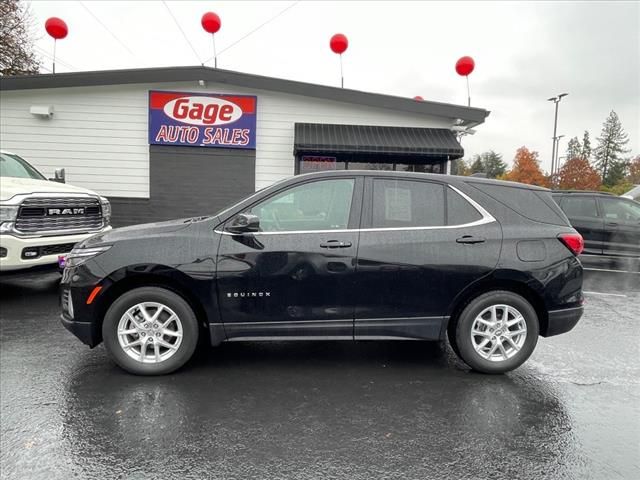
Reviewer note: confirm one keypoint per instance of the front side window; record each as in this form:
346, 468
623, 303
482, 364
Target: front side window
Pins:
580, 207
620, 210
14, 166
321, 205
406, 203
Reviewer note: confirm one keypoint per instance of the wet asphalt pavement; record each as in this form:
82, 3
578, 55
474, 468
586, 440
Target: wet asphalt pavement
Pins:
368, 410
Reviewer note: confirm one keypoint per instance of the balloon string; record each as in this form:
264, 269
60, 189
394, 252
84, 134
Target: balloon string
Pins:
55, 41
341, 73
468, 93
215, 55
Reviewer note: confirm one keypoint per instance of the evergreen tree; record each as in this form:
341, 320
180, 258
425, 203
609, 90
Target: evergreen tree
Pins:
459, 167
490, 163
617, 172
477, 166
610, 148
493, 164
574, 149
586, 146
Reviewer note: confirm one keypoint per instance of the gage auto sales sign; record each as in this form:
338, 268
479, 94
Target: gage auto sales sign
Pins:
202, 120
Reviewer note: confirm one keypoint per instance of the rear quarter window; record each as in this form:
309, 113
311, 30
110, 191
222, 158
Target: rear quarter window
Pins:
536, 205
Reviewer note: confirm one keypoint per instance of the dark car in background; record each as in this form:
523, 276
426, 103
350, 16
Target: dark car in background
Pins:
610, 225
342, 255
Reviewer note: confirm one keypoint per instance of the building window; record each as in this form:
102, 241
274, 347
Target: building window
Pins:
318, 162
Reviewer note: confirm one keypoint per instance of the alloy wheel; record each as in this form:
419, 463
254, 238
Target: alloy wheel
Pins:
150, 332
498, 333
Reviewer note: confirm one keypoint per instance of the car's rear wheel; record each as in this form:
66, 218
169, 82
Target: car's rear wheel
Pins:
496, 332
150, 331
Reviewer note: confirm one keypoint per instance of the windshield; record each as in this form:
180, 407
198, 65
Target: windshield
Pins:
14, 166
634, 193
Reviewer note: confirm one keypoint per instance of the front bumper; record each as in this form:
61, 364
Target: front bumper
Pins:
561, 321
82, 330
13, 260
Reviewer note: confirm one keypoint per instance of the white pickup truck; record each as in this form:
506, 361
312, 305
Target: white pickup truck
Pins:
40, 219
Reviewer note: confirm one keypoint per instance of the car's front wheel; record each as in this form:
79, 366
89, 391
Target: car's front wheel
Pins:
496, 332
150, 331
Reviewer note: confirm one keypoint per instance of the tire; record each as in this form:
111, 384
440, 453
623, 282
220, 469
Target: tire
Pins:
478, 351
168, 343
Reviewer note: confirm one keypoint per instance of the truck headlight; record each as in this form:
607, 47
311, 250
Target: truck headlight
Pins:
106, 210
8, 215
78, 256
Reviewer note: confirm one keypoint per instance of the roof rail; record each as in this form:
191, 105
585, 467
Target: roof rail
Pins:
584, 191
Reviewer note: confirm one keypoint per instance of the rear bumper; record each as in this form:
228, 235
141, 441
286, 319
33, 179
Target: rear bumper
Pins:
561, 321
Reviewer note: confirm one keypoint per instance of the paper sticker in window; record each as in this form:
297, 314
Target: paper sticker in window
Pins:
397, 203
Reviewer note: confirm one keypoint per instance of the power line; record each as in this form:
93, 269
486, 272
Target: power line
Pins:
107, 28
58, 59
182, 31
255, 29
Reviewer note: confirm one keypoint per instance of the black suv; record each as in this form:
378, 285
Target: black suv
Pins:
610, 225
339, 256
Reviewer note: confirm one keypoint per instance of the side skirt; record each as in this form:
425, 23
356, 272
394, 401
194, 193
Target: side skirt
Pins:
414, 328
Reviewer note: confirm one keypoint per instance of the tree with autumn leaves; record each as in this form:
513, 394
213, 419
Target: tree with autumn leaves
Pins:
578, 174
526, 169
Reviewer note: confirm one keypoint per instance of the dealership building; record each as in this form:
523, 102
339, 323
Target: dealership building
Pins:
165, 143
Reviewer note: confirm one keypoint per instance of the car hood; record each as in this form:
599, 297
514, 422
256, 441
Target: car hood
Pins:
11, 186
145, 230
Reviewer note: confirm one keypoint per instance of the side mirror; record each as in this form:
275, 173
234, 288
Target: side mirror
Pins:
244, 223
59, 176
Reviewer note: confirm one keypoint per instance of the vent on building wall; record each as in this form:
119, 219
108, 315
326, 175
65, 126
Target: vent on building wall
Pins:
44, 111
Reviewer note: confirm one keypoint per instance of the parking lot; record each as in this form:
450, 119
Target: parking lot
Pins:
323, 409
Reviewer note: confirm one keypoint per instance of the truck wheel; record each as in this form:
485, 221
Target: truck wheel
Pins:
496, 332
150, 331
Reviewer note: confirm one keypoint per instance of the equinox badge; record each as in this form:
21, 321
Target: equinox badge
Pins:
248, 294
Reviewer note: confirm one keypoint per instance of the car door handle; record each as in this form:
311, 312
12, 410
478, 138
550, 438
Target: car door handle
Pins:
470, 239
612, 224
335, 244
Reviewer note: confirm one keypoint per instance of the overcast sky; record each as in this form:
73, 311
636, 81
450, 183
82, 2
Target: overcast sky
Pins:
525, 52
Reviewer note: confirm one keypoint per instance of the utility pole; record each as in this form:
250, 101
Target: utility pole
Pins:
554, 152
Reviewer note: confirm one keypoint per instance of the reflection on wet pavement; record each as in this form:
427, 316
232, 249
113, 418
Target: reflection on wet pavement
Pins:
318, 409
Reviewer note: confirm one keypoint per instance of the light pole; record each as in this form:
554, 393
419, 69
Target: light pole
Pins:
555, 100
557, 162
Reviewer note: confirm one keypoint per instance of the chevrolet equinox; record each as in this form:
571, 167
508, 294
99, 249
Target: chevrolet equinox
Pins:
341, 255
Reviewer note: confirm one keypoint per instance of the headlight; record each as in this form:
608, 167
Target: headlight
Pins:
8, 213
106, 210
78, 256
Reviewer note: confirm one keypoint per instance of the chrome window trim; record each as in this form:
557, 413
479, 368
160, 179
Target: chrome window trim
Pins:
486, 218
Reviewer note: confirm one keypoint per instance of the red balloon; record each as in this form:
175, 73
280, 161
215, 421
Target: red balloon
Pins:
418, 98
211, 22
339, 43
465, 65
56, 28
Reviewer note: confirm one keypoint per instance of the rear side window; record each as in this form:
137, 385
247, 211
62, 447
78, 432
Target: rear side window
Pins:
406, 203
537, 205
620, 209
459, 211
579, 206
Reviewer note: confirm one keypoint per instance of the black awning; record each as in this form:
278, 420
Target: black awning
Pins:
326, 138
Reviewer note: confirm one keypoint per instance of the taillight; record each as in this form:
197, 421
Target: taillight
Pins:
573, 241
